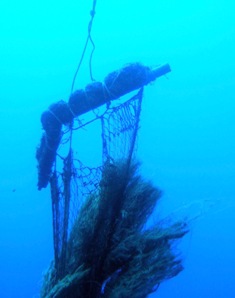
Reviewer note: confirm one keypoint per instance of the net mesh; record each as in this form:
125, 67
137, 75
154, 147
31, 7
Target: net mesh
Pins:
100, 203
71, 185
119, 129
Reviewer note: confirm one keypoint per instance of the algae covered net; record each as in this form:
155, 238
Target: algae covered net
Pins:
102, 247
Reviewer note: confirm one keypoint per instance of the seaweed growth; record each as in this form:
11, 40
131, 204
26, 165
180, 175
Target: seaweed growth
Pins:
110, 252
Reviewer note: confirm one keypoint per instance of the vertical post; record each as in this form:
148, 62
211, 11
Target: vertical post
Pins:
67, 175
55, 196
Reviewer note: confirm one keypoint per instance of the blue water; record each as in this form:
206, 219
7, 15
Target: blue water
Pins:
187, 136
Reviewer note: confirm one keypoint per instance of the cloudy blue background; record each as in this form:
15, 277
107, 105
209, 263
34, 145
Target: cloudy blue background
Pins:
187, 137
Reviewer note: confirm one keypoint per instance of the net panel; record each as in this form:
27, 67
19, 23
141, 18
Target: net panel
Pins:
119, 129
71, 185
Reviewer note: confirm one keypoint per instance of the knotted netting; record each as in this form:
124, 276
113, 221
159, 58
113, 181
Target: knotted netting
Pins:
76, 181
101, 247
119, 129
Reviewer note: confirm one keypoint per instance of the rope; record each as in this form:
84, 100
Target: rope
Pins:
89, 38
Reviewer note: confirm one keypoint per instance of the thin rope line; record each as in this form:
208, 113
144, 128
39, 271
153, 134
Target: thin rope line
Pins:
89, 38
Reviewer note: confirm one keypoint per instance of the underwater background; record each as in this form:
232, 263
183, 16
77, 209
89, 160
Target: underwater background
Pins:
186, 141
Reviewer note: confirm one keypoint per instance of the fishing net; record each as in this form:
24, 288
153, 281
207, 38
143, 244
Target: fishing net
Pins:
101, 245
119, 126
96, 94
